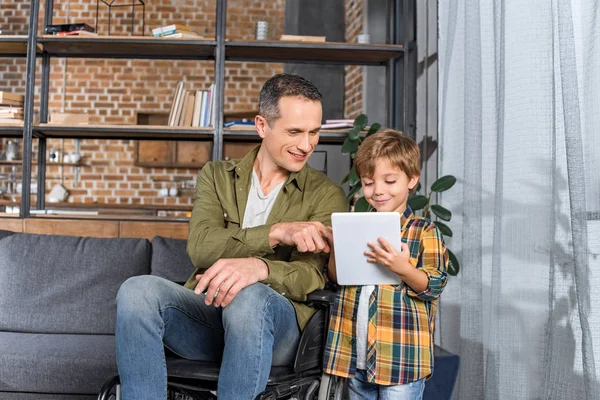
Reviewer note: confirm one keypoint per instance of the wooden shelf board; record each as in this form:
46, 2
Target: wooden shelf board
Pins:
250, 135
318, 52
13, 45
48, 163
127, 47
126, 132
12, 130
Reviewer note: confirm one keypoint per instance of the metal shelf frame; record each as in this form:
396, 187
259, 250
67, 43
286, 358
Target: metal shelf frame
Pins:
399, 56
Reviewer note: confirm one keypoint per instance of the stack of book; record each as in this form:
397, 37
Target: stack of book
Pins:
11, 108
338, 124
192, 107
174, 31
71, 30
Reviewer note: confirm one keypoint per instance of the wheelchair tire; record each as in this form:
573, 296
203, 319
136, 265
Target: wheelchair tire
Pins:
331, 387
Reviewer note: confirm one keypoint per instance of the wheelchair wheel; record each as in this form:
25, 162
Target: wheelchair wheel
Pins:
331, 388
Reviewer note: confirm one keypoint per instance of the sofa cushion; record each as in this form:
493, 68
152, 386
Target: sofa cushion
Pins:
55, 363
4, 234
170, 259
65, 284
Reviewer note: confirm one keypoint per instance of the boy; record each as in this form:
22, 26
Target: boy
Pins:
382, 336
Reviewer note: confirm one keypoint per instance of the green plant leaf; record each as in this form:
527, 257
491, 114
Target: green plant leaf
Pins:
353, 178
362, 205
353, 191
445, 229
345, 178
373, 128
441, 212
360, 122
354, 133
453, 264
443, 183
350, 146
417, 202
418, 187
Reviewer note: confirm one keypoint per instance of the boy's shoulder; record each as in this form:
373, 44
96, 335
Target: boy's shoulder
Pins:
420, 223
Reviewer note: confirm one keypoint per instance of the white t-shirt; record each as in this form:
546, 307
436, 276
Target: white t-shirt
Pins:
259, 205
362, 324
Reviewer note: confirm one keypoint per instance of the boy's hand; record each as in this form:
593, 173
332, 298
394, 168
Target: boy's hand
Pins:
386, 254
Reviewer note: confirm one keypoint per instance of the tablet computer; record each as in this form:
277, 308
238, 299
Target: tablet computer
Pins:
351, 233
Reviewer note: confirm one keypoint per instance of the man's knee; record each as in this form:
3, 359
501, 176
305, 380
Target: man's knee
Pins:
250, 304
139, 293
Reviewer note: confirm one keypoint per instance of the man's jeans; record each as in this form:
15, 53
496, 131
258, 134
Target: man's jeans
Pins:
256, 330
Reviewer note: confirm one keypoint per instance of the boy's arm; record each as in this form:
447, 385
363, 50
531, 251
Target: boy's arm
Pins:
434, 263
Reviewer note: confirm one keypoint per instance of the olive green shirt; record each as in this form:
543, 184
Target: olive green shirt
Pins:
215, 227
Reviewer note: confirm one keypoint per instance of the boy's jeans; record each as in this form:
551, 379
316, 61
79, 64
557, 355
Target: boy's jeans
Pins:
360, 389
257, 329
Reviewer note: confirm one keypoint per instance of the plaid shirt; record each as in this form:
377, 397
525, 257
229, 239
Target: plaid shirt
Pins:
401, 321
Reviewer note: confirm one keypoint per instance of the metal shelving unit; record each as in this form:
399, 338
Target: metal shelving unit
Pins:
399, 57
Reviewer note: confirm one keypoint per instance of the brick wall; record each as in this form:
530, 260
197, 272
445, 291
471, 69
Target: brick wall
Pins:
353, 105
112, 91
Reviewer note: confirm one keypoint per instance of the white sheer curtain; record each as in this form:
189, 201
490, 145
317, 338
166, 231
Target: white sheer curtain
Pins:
520, 128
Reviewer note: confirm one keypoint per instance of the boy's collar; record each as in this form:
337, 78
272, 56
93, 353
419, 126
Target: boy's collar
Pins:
405, 216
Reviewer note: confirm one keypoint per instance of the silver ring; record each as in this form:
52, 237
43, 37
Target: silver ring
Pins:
216, 293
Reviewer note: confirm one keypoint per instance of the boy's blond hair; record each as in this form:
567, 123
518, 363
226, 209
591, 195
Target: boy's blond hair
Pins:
401, 151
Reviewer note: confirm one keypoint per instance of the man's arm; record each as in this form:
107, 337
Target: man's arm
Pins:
208, 239
304, 272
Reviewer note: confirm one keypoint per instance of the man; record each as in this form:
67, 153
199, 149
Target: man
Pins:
258, 239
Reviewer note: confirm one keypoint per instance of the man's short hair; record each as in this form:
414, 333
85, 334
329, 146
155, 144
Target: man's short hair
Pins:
399, 150
282, 85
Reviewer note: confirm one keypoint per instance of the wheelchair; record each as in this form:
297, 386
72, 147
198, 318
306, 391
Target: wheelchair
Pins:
304, 380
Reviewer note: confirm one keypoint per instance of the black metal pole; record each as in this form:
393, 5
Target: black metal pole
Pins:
28, 109
219, 79
44, 93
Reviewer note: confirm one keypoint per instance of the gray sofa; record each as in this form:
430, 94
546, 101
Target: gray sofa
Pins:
57, 308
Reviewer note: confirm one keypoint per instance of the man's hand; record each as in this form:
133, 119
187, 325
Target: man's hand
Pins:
225, 278
310, 236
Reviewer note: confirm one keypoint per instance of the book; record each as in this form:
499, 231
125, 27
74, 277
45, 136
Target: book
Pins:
337, 125
339, 121
80, 32
14, 115
189, 108
182, 35
175, 105
173, 28
302, 38
11, 98
234, 124
69, 118
54, 29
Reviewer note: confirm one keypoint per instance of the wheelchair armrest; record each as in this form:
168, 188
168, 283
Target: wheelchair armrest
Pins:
321, 296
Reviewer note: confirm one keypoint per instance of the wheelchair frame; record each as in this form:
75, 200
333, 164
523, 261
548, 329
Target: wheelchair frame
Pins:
198, 379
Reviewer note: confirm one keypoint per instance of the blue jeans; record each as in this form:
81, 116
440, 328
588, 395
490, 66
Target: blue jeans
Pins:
360, 389
256, 330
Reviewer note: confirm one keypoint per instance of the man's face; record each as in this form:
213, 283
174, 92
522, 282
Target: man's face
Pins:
291, 139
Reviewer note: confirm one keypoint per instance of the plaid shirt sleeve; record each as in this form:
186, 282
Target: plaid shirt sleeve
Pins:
433, 260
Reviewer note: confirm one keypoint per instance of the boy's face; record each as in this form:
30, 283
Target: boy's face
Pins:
388, 188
